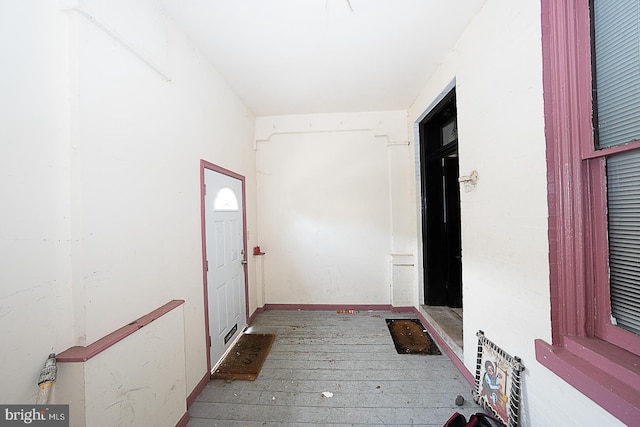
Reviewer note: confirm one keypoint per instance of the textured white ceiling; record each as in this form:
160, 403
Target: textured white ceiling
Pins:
317, 56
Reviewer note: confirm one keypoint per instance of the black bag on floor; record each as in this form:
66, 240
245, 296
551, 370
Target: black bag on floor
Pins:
478, 419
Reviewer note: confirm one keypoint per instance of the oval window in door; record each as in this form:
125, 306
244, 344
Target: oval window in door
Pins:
226, 200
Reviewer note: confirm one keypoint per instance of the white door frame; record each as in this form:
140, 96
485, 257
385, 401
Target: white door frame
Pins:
215, 168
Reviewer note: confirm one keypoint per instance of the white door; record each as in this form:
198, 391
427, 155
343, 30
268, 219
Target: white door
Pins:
224, 234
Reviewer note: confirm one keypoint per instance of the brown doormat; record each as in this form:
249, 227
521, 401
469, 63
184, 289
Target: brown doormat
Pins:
245, 359
410, 337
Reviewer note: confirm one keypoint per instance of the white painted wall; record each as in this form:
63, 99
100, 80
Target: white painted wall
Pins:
325, 215
497, 67
137, 144
140, 380
100, 160
100, 218
35, 298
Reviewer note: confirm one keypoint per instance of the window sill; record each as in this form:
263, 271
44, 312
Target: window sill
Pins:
608, 375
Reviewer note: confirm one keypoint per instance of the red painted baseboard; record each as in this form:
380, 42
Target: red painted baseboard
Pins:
470, 377
318, 307
253, 316
197, 389
184, 420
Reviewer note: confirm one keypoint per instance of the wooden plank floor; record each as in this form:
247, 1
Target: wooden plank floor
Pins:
349, 355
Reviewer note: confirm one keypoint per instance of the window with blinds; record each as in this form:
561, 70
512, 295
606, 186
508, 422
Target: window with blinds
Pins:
617, 67
623, 199
617, 98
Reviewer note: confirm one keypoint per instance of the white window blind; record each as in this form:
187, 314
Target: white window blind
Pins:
617, 78
623, 194
617, 53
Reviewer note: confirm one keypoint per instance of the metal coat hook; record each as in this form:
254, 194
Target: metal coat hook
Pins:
470, 181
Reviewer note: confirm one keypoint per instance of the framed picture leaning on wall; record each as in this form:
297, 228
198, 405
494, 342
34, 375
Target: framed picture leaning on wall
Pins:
497, 386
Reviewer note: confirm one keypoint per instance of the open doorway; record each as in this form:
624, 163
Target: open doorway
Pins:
440, 205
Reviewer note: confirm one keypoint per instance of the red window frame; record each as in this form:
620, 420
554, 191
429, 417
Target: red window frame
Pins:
598, 359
